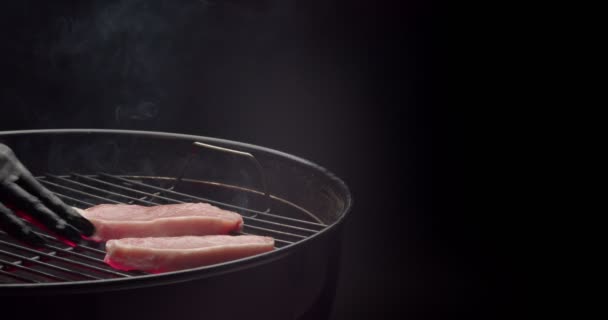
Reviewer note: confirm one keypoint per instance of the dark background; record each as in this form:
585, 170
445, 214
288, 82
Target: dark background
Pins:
363, 88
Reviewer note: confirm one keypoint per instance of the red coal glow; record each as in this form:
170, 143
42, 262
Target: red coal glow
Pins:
33, 221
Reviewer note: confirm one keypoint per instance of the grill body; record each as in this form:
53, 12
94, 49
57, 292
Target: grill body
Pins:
305, 213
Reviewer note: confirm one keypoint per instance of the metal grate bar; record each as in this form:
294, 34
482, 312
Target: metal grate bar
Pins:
58, 262
244, 217
17, 277
81, 246
100, 190
189, 196
209, 200
77, 191
30, 270
275, 231
292, 219
248, 226
88, 204
48, 265
88, 266
167, 199
76, 254
256, 212
281, 224
276, 240
120, 187
70, 251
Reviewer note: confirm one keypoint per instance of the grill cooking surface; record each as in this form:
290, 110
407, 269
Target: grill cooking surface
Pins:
59, 262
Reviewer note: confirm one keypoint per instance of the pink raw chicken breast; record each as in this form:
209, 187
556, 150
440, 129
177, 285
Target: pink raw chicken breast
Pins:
115, 221
176, 253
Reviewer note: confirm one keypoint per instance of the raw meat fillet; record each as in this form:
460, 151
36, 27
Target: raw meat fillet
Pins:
115, 221
176, 253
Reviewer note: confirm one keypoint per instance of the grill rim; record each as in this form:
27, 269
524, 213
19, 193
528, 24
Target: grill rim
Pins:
168, 278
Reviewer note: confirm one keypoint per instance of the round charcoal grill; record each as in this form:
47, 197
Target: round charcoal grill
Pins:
298, 203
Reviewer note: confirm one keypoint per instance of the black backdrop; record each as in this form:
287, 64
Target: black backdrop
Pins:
358, 87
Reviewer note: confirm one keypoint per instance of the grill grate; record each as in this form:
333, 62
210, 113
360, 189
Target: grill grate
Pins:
59, 262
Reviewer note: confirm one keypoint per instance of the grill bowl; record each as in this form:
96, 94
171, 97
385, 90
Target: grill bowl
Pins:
296, 281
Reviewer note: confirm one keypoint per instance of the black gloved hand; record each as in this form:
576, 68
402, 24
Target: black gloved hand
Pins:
24, 193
